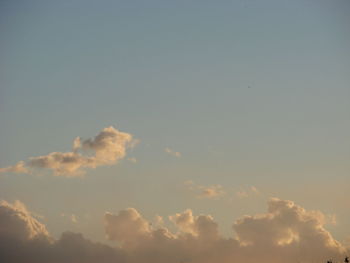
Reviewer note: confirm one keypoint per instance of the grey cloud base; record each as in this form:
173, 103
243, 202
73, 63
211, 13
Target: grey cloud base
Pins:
286, 233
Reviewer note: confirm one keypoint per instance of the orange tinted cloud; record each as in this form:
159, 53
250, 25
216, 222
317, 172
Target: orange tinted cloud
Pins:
106, 148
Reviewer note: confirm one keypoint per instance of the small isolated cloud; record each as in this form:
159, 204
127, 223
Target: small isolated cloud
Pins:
244, 193
132, 160
202, 192
74, 218
71, 217
108, 147
172, 152
331, 219
212, 192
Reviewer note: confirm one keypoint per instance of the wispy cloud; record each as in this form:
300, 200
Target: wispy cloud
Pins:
106, 148
132, 160
202, 191
71, 217
247, 192
172, 152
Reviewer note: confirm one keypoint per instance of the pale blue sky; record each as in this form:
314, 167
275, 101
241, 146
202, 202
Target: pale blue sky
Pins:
176, 74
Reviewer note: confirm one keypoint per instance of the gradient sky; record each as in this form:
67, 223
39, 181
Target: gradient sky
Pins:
250, 93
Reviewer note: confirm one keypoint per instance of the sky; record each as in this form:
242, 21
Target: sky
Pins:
176, 116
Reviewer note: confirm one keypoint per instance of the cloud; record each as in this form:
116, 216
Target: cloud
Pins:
172, 152
244, 193
158, 220
106, 148
209, 192
126, 227
17, 222
74, 218
289, 228
132, 160
202, 227
19, 167
285, 233
23, 239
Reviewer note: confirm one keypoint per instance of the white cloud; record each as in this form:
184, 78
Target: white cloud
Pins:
172, 152
289, 228
127, 227
24, 239
17, 222
208, 192
202, 227
74, 218
244, 193
132, 160
19, 167
158, 221
211, 192
285, 233
107, 148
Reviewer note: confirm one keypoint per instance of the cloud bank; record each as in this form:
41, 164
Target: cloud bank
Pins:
285, 233
106, 148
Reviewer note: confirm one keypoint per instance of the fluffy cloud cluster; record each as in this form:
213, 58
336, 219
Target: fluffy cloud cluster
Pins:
106, 148
289, 227
16, 222
286, 233
23, 239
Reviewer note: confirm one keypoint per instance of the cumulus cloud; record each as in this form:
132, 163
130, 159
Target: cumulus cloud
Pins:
19, 167
172, 152
106, 148
202, 227
285, 233
209, 192
17, 222
158, 220
291, 228
127, 227
23, 239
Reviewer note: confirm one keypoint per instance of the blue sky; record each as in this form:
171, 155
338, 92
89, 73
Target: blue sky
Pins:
251, 93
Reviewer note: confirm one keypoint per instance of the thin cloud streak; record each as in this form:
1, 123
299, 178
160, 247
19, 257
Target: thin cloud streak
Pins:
172, 152
205, 192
